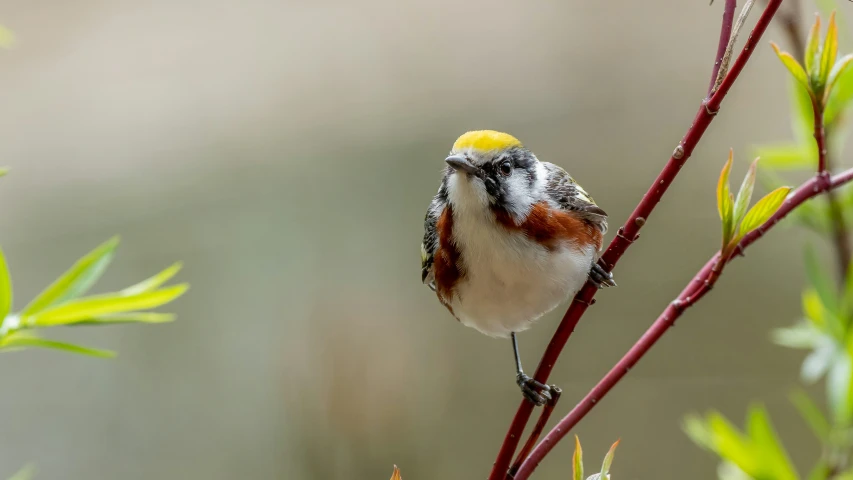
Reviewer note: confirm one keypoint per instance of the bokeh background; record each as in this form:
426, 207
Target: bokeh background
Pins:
286, 152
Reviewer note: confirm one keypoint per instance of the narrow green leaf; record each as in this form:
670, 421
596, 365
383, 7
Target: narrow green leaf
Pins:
130, 317
724, 203
812, 60
731, 444
819, 280
792, 66
820, 471
744, 195
840, 94
802, 335
786, 156
802, 115
5, 288
819, 361
776, 461
814, 310
577, 461
3, 171
763, 210
829, 51
77, 280
699, 432
25, 473
608, 460
86, 309
838, 69
20, 340
810, 413
154, 282
838, 386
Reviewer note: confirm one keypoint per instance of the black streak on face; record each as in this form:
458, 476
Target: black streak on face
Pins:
523, 163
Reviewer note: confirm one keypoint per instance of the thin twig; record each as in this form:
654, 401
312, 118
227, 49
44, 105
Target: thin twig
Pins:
695, 290
839, 229
537, 431
727, 55
627, 234
725, 35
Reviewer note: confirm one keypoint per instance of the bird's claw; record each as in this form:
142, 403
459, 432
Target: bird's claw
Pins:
535, 391
601, 277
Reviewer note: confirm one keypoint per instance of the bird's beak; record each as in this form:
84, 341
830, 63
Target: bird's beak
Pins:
461, 164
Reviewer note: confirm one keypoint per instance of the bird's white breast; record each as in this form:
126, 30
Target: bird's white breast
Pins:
509, 280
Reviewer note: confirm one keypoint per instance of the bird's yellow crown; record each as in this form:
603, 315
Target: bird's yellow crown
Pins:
485, 140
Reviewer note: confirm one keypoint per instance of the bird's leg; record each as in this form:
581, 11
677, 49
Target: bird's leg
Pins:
601, 277
535, 391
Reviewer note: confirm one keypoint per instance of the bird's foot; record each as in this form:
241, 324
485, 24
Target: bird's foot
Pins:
601, 277
535, 391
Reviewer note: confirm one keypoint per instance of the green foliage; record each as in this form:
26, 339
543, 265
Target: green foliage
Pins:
577, 463
26, 473
756, 453
822, 66
63, 303
736, 220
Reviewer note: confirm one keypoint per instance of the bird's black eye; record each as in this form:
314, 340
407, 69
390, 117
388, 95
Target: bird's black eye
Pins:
506, 169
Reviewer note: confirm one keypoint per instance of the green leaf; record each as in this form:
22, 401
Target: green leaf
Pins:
698, 431
77, 280
802, 116
3, 171
811, 414
838, 386
86, 309
732, 445
837, 70
841, 93
7, 38
608, 460
577, 461
26, 473
786, 156
792, 66
802, 335
130, 317
764, 437
813, 47
154, 282
18, 340
724, 203
763, 210
829, 51
5, 288
744, 195
818, 279
819, 361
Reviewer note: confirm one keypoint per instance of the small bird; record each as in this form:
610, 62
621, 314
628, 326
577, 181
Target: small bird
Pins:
507, 239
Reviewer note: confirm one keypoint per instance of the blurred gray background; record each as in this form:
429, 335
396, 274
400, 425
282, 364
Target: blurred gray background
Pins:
286, 152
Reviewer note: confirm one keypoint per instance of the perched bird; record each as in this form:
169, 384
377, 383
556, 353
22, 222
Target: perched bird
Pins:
507, 239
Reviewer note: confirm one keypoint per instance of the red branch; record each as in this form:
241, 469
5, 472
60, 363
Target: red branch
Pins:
626, 236
694, 291
725, 34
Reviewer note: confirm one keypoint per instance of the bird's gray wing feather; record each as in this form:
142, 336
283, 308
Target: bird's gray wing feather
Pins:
430, 241
566, 193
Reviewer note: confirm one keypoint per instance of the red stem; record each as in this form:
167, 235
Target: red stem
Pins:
725, 34
695, 290
626, 236
819, 135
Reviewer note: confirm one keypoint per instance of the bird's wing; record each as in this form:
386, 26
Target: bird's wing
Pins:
565, 192
430, 242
